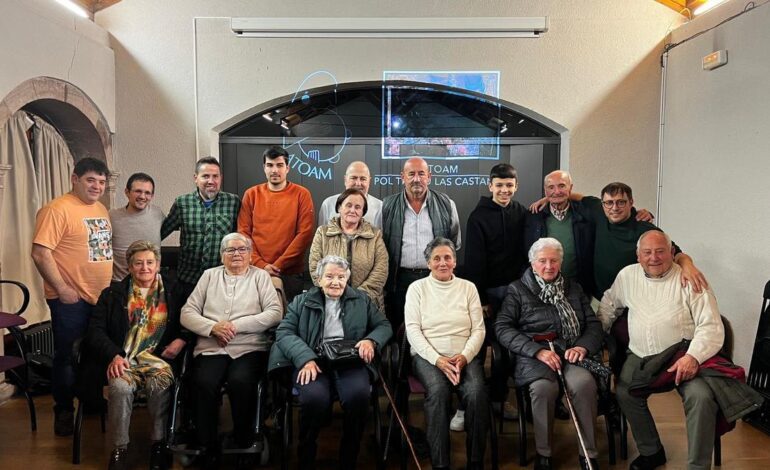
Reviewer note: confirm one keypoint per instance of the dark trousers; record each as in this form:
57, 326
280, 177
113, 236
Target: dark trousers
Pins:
395, 299
241, 375
353, 388
69, 322
293, 285
473, 397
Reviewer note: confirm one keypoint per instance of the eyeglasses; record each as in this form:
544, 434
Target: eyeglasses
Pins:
620, 203
241, 250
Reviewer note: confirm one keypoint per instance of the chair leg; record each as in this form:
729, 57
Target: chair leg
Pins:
24, 385
623, 437
521, 403
718, 451
77, 434
286, 437
610, 439
493, 437
377, 428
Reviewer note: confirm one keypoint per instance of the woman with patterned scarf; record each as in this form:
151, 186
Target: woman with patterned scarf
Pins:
543, 301
135, 333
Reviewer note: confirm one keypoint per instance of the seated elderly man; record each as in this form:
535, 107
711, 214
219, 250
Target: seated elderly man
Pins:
661, 314
135, 333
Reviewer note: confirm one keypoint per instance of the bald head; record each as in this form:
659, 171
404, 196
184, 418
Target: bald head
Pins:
655, 253
416, 177
558, 187
357, 176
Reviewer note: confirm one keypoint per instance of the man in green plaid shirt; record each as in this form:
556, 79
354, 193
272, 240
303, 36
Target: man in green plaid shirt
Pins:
203, 217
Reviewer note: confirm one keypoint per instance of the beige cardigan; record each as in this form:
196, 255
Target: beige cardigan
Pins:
369, 267
249, 301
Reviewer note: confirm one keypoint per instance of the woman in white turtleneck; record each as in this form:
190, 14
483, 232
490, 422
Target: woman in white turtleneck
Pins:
445, 329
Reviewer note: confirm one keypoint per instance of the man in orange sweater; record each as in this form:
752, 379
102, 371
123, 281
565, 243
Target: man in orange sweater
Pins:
278, 216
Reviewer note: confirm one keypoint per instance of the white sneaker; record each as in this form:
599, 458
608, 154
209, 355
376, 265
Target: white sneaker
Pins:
458, 421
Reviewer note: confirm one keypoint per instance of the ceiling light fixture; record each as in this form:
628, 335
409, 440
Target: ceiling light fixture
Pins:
73, 7
710, 4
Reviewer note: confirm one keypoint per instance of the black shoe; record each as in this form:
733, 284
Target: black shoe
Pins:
63, 423
542, 463
159, 458
118, 459
649, 462
584, 464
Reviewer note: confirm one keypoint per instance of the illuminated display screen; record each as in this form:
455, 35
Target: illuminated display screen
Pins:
401, 141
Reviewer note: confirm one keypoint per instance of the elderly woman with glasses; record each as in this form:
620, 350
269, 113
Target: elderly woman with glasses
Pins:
135, 336
445, 329
330, 312
543, 301
230, 309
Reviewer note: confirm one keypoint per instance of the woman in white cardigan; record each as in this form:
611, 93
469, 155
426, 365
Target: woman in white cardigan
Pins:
230, 310
445, 329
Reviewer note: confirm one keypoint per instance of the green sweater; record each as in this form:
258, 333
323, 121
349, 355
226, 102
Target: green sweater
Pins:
615, 245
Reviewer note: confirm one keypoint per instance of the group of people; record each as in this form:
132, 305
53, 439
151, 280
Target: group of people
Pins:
375, 265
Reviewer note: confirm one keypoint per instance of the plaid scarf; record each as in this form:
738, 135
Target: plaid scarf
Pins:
147, 318
553, 293
559, 214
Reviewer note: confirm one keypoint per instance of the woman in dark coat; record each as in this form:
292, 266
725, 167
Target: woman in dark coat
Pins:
543, 301
134, 335
333, 311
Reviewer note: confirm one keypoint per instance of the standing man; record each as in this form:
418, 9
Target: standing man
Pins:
410, 220
278, 217
568, 222
661, 314
203, 217
356, 176
72, 250
138, 220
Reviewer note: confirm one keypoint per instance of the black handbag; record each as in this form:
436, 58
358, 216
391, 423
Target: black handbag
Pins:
340, 353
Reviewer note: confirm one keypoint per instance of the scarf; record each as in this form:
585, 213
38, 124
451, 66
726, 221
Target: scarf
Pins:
552, 293
147, 319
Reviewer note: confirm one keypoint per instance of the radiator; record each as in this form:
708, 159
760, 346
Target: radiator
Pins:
40, 339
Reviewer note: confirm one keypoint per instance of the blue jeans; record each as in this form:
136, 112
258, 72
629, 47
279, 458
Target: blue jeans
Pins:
69, 322
473, 399
353, 388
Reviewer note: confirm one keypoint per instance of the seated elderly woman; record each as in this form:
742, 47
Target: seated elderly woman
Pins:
230, 309
332, 312
356, 240
541, 302
134, 333
445, 328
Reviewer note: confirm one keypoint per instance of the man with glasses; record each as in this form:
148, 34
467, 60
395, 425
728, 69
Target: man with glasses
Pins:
356, 176
410, 220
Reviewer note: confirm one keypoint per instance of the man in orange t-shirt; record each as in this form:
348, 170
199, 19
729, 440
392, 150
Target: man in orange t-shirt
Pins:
278, 217
72, 250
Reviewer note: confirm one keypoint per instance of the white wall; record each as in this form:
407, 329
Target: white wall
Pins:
715, 161
595, 72
40, 38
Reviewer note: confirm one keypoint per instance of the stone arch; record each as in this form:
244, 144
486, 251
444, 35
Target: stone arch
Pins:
72, 112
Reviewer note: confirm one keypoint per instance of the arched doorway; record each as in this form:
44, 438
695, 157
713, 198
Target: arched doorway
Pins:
462, 134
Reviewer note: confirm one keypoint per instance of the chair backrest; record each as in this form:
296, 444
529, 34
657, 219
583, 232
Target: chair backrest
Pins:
729, 343
278, 284
24, 293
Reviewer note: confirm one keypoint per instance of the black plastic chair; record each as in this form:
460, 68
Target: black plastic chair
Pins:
503, 363
408, 384
11, 364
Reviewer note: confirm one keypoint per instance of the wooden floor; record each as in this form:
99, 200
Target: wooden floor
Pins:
744, 448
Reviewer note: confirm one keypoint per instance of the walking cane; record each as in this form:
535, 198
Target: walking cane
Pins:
549, 337
401, 424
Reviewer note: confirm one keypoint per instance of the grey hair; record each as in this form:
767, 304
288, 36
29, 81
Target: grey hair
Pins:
140, 246
543, 243
562, 173
233, 236
437, 242
332, 259
642, 236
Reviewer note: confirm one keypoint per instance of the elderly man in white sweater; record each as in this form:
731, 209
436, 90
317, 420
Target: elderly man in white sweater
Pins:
662, 313
445, 328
